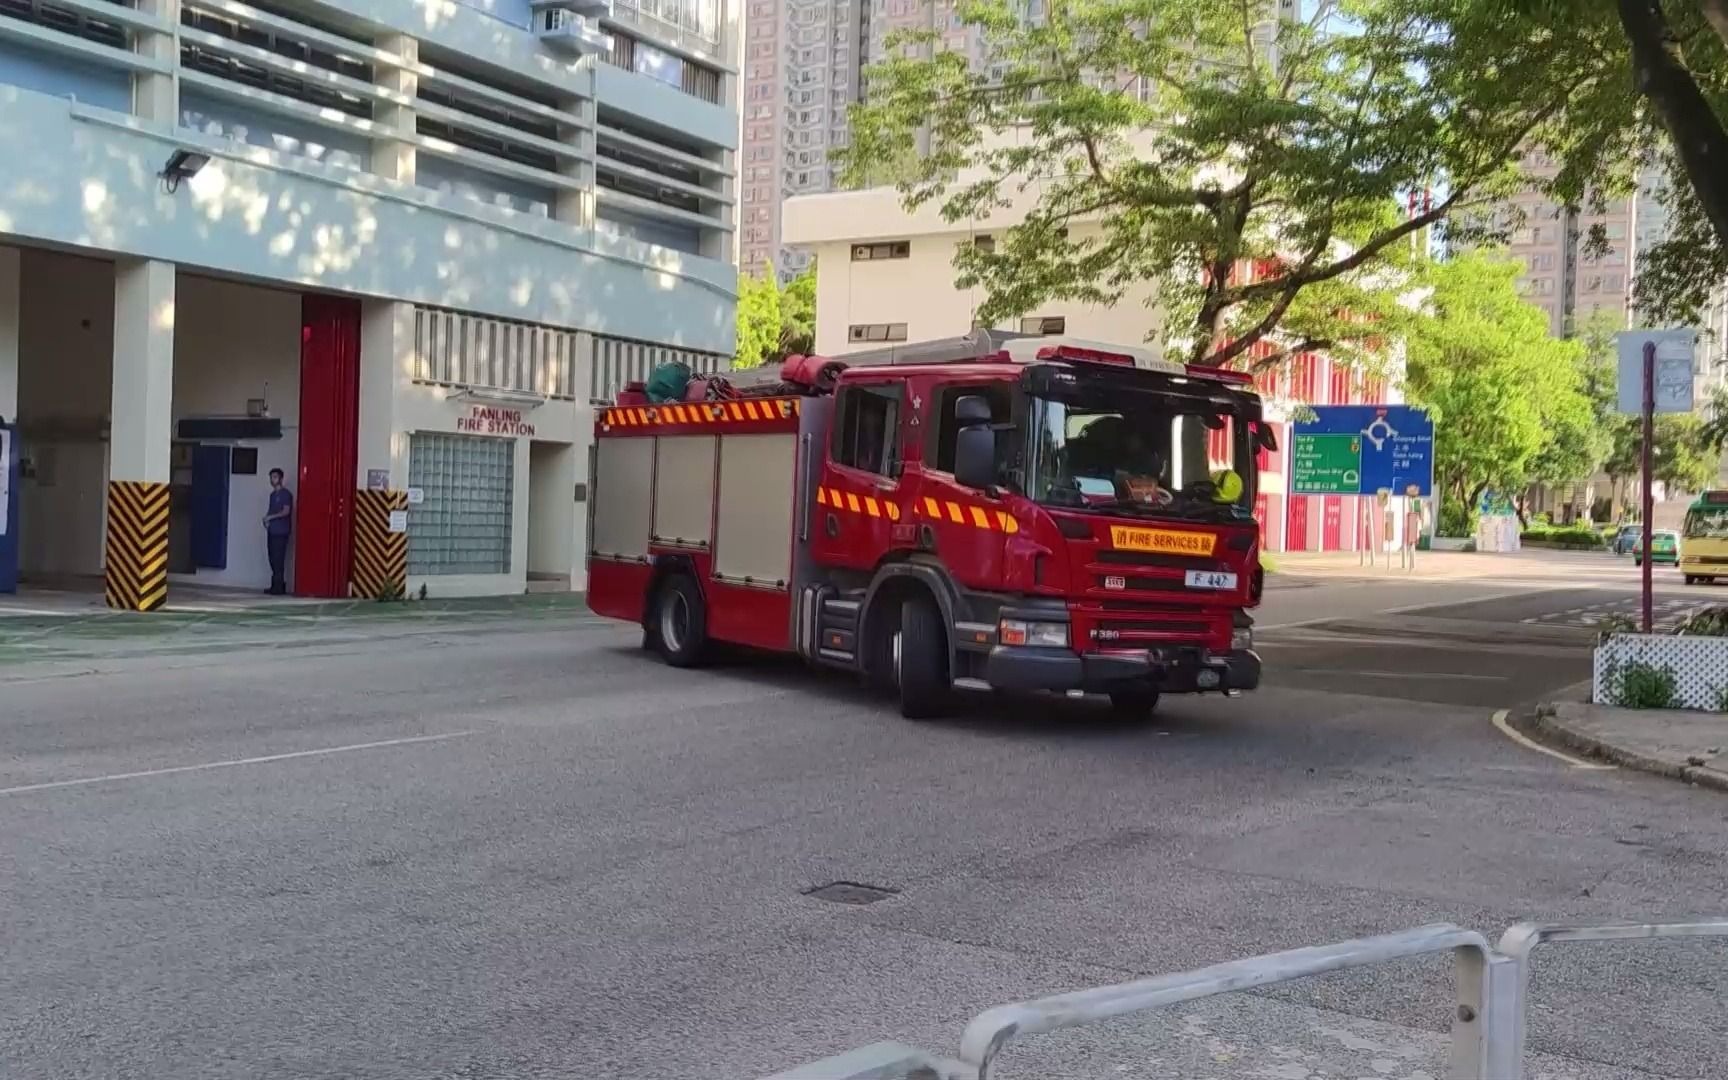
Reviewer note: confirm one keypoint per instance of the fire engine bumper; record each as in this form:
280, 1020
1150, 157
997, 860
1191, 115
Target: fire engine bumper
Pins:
1170, 671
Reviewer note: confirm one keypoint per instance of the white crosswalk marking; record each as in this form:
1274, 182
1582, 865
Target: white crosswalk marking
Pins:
1667, 613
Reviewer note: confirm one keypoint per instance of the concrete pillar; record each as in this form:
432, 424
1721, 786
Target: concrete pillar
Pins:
11, 279
155, 96
576, 206
140, 436
386, 371
392, 158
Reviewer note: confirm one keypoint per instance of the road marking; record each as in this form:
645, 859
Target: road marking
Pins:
1411, 609
1530, 744
1400, 674
230, 764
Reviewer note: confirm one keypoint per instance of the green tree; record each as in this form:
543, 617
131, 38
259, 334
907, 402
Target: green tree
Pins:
1510, 402
759, 319
1173, 142
775, 321
1646, 85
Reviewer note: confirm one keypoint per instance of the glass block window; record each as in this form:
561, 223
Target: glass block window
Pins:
463, 524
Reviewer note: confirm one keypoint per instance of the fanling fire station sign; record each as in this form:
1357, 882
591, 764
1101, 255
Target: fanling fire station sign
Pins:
491, 420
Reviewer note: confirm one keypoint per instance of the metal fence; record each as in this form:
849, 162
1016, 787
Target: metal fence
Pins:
1488, 1018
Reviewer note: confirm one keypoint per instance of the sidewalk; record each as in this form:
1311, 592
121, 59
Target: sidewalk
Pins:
1679, 743
79, 632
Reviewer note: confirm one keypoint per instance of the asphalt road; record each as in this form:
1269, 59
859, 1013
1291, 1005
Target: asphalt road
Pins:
530, 851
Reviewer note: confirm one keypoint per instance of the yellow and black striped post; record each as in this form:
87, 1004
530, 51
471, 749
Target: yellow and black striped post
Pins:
380, 556
136, 577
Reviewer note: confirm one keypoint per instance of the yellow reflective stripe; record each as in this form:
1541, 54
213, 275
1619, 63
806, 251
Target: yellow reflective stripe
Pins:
893, 511
1007, 522
932, 508
978, 517
871, 508
750, 410
821, 497
835, 498
852, 502
955, 515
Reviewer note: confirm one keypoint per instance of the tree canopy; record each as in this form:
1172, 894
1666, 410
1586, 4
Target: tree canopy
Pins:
1648, 89
774, 320
1172, 143
1510, 403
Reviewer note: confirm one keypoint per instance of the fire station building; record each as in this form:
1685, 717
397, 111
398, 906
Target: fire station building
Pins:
886, 275
394, 248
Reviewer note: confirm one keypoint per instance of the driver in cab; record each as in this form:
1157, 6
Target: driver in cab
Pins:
1113, 447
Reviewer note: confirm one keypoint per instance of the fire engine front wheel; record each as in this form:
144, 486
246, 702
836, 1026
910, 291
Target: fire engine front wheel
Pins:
678, 627
921, 660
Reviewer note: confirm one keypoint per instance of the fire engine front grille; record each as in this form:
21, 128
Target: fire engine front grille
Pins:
1140, 558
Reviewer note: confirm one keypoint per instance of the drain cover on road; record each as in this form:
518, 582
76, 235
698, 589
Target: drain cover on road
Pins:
850, 892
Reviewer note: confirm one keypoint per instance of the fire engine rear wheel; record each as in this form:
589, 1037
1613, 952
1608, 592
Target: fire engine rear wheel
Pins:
679, 622
921, 660
1134, 703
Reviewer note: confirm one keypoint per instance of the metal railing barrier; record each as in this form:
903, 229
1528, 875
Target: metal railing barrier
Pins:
1488, 1020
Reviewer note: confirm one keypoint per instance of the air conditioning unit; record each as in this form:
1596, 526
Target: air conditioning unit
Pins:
569, 33
588, 9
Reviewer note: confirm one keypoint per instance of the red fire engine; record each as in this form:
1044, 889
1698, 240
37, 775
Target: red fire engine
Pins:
994, 511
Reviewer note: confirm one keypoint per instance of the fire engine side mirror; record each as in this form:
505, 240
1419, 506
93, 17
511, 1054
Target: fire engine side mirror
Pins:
974, 444
1264, 439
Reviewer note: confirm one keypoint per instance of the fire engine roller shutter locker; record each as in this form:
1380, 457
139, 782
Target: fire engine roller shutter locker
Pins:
683, 489
753, 536
623, 498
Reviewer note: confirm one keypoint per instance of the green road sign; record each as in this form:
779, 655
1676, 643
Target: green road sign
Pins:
1326, 465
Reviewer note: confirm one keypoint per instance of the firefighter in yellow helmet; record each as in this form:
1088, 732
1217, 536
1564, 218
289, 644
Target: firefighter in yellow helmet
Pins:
1227, 485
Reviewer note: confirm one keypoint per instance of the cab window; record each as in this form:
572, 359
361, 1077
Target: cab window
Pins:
940, 453
867, 429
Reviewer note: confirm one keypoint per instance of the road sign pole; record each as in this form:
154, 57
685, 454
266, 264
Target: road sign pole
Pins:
1648, 456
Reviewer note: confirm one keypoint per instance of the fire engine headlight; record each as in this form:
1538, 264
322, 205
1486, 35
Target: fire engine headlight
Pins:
1242, 638
1046, 634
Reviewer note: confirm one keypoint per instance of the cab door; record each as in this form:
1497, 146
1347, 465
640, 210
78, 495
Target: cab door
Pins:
970, 527
859, 499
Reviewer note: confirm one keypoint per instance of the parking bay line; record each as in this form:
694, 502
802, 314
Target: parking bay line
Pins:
266, 759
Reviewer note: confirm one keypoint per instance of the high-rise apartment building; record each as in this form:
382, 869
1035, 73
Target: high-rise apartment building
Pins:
804, 64
1560, 276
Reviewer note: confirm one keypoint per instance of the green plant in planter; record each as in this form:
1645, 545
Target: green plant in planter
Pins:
1616, 624
1643, 686
1710, 622
1721, 699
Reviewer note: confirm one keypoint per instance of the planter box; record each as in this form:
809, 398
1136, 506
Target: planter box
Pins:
1453, 543
1700, 664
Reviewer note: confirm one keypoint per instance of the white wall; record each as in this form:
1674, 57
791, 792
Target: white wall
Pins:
233, 342
551, 509
920, 292
65, 378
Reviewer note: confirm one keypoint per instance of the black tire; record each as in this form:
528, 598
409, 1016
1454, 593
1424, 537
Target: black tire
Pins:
678, 623
1692, 579
1135, 704
926, 690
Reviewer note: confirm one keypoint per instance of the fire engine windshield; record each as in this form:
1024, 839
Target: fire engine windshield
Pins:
1143, 454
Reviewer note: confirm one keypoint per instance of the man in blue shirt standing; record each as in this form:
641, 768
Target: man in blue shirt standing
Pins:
278, 525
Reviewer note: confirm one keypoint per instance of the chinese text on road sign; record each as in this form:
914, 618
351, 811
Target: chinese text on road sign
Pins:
1363, 449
